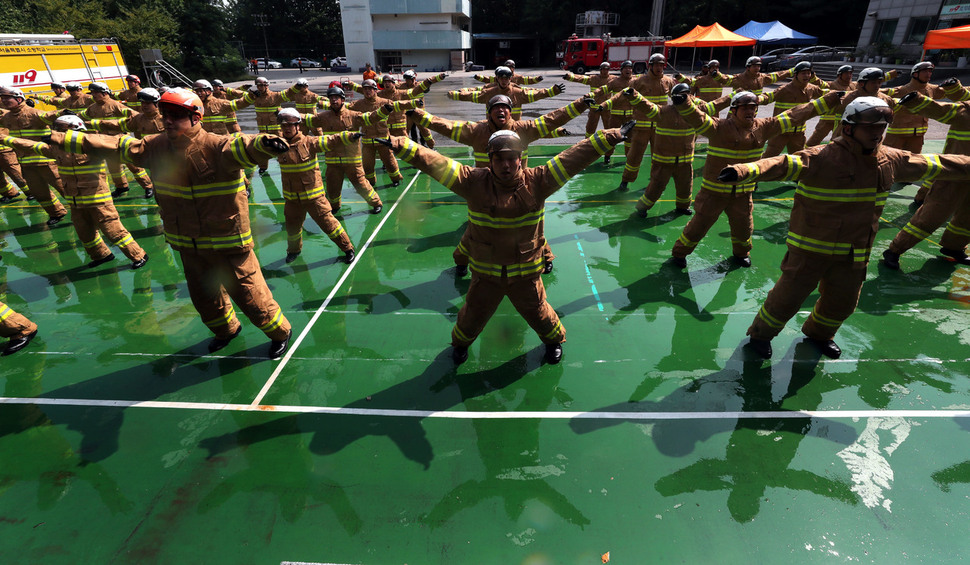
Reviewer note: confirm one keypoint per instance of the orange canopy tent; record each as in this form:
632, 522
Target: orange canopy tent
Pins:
714, 35
953, 38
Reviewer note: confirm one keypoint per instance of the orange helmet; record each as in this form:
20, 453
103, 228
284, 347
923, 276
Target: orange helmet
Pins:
185, 99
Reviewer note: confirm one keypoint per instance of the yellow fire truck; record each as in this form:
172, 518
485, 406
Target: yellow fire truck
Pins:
31, 62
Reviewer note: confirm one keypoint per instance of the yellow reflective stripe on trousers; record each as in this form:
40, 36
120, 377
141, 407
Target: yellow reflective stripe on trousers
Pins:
213, 243
221, 321
89, 200
672, 159
724, 188
770, 320
274, 323
201, 190
305, 195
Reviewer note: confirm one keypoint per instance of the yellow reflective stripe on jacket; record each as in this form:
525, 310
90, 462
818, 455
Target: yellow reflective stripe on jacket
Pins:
201, 190
958, 135
484, 220
824, 247
842, 195
210, 242
86, 169
933, 168
724, 188
793, 163
559, 172
88, 200
675, 132
743, 155
305, 195
299, 167
513, 270
599, 142
672, 159
5, 312
921, 130
334, 160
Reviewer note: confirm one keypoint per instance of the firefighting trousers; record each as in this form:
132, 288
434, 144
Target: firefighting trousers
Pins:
839, 283
295, 212
423, 132
90, 220
120, 180
14, 325
660, 175
794, 141
528, 296
707, 209
913, 144
948, 198
369, 153
40, 178
822, 129
612, 120
214, 279
334, 180
636, 147
592, 121
10, 167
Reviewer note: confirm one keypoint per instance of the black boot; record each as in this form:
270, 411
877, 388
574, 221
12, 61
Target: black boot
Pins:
101, 261
17, 343
459, 354
826, 347
553, 353
761, 346
349, 256
890, 259
140, 263
290, 257
278, 347
218, 343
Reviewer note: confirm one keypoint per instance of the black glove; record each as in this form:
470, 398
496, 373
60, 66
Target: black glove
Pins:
589, 100
386, 142
714, 74
908, 96
840, 94
46, 139
274, 144
566, 76
539, 78
30, 102
629, 91
419, 102
388, 108
478, 77
67, 112
409, 113
254, 90
728, 175
355, 136
627, 128
440, 77
952, 81
558, 88
678, 99
564, 132
679, 77
345, 85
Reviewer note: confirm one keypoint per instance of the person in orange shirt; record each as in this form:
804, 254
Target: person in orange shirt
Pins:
369, 72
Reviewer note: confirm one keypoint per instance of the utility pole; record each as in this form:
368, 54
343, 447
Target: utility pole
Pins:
261, 22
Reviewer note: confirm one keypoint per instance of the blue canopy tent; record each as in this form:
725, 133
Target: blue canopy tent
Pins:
775, 33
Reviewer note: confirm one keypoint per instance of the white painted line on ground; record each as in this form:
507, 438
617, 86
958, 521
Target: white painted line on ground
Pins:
466, 415
333, 292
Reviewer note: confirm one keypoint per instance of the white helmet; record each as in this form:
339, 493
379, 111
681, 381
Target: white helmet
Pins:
73, 86
871, 73
744, 98
752, 61
149, 95
70, 122
867, 110
99, 87
261, 80
288, 115
503, 72
203, 84
409, 74
504, 140
11, 91
302, 82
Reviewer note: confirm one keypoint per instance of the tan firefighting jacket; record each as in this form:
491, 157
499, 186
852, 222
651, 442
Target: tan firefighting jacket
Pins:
476, 134
266, 107
219, 113
516, 93
750, 81
139, 124
904, 121
129, 97
379, 129
85, 179
70, 102
300, 168
516, 79
594, 82
792, 94
957, 116
107, 109
506, 220
730, 142
842, 191
198, 182
336, 121
29, 123
654, 89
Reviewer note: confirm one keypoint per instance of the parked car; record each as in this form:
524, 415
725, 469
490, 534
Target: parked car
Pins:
814, 53
268, 63
307, 63
338, 62
770, 59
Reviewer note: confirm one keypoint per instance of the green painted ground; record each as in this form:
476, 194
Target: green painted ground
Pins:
372, 448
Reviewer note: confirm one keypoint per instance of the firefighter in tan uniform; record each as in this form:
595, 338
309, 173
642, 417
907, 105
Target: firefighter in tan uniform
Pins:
739, 138
303, 188
397, 121
506, 209
751, 79
827, 122
17, 328
219, 112
104, 107
345, 160
621, 111
908, 129
129, 97
673, 149
477, 134
842, 188
9, 170
219, 90
86, 192
596, 93
205, 213
516, 77
378, 130
266, 103
503, 85
798, 91
20, 120
76, 98
307, 102
654, 86
423, 134
947, 197
703, 86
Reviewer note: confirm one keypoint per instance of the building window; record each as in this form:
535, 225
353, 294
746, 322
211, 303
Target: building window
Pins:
917, 29
885, 30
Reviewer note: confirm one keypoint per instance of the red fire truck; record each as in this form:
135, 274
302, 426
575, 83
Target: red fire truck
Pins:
582, 53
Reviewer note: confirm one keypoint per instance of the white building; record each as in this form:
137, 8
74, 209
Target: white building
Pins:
896, 28
426, 35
